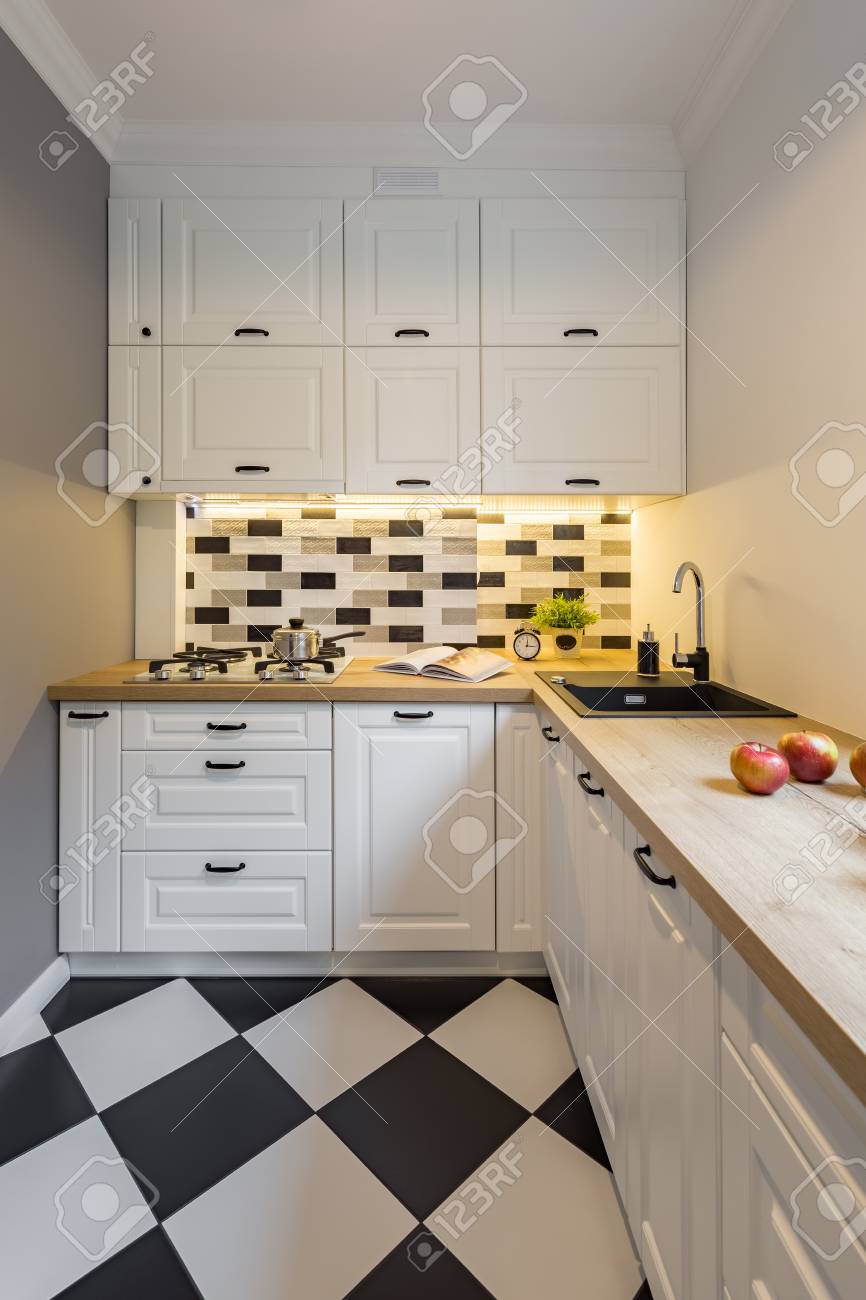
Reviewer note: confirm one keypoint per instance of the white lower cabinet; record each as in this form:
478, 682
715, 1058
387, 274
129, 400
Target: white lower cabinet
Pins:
519, 828
560, 955
414, 827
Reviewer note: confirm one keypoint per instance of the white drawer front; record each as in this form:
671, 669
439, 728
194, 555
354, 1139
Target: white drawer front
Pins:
221, 726
261, 800
275, 902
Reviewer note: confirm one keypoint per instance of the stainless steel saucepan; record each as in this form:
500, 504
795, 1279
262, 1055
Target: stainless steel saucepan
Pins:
299, 643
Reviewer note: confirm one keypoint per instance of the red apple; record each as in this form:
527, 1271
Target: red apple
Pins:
858, 764
811, 755
758, 768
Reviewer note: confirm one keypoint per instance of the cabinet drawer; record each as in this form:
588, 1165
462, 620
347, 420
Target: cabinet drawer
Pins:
171, 902
222, 726
259, 800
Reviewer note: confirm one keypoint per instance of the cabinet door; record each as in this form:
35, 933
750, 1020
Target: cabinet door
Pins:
582, 265
411, 266
519, 828
414, 827
257, 271
245, 419
134, 419
86, 882
412, 420
558, 774
591, 420
134, 272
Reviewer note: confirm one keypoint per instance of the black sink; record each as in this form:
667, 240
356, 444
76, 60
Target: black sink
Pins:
670, 695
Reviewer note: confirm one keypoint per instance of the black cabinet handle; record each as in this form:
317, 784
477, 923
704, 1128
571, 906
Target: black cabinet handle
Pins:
400, 334
252, 469
88, 717
591, 332
221, 870
583, 482
224, 767
252, 330
584, 778
547, 733
412, 717
146, 331
413, 482
647, 870
226, 726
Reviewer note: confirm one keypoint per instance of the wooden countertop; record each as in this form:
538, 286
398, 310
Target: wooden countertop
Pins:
672, 780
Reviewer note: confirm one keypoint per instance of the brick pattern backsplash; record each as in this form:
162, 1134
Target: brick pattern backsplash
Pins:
457, 576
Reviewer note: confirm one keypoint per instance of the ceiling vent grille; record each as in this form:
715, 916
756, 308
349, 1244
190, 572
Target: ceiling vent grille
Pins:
406, 180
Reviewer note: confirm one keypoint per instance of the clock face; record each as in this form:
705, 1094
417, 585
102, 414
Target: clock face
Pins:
526, 644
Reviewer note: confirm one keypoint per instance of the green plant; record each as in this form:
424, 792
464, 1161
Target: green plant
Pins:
564, 611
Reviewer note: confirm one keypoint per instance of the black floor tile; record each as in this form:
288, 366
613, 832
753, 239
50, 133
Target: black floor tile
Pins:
427, 1003
245, 1003
443, 1120
82, 998
419, 1267
569, 1113
40, 1096
539, 984
189, 1129
147, 1270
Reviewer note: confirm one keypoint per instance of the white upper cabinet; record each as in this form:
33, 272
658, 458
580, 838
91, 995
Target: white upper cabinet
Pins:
560, 273
253, 419
252, 271
134, 419
411, 271
412, 420
590, 420
134, 271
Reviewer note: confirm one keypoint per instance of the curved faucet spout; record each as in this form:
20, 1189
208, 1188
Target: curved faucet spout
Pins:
689, 566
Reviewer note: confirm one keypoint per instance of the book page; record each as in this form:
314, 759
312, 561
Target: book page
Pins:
417, 660
470, 665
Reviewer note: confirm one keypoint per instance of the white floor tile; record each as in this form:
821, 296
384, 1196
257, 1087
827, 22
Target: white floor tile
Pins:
35, 1029
304, 1218
128, 1047
514, 1038
556, 1230
67, 1205
331, 1040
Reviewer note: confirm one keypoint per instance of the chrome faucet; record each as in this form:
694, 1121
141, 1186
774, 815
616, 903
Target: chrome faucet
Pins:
699, 659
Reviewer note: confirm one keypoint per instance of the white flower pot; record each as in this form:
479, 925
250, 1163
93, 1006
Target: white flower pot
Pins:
561, 642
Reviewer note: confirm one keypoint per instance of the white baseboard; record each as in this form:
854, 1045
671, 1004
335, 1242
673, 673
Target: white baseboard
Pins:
304, 963
16, 1020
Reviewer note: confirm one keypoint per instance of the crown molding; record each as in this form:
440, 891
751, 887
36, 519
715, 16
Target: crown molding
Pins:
32, 27
740, 43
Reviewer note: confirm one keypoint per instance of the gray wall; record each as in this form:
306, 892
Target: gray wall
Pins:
65, 587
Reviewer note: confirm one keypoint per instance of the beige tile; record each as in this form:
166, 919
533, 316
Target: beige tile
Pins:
423, 581
282, 581
229, 527
491, 611
370, 599
535, 563
458, 545
538, 531
615, 611
532, 595
231, 598
488, 547
615, 548
458, 617
318, 545
370, 528
369, 563
229, 563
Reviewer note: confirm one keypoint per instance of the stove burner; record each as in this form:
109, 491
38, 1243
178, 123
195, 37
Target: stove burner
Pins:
199, 662
270, 670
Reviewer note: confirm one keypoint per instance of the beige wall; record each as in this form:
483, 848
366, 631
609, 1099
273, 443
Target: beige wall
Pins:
778, 292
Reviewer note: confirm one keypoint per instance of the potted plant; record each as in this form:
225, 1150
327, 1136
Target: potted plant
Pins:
565, 619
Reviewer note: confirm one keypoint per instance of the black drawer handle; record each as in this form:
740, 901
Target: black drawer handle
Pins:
567, 333
226, 726
584, 779
583, 482
252, 469
648, 871
547, 733
221, 870
224, 767
413, 717
88, 717
413, 482
401, 334
252, 330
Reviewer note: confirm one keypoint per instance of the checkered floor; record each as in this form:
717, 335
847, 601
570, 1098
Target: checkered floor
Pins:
375, 1138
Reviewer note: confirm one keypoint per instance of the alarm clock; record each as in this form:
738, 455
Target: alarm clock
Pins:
527, 643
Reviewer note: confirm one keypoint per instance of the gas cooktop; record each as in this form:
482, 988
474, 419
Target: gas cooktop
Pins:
242, 666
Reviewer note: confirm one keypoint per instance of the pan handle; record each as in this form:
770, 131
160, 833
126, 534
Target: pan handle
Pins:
341, 636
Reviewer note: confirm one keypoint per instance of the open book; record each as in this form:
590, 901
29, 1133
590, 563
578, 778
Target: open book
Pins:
471, 665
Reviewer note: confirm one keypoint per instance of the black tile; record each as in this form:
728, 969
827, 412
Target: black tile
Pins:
427, 1002
459, 581
40, 1096
84, 997
406, 599
419, 1267
568, 1112
405, 528
491, 579
349, 617
353, 545
211, 614
190, 581
244, 1003
319, 512
491, 642
570, 593
194, 1126
147, 1269
519, 611
568, 532
406, 632
261, 634
264, 563
568, 564
521, 548
616, 642
264, 598
264, 528
443, 1121
539, 984
616, 519
406, 563
616, 579
319, 581
211, 545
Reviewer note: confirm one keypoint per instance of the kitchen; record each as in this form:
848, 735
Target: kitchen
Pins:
434, 834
